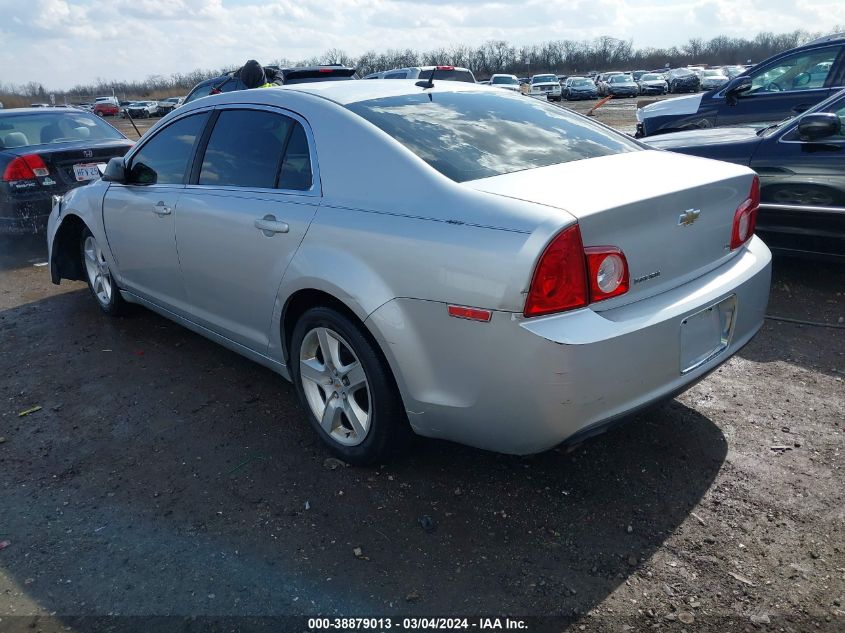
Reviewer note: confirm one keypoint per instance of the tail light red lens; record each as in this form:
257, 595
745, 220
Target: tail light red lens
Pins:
569, 276
26, 167
745, 217
560, 278
445, 68
607, 271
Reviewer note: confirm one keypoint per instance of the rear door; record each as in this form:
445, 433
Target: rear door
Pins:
139, 216
253, 193
786, 87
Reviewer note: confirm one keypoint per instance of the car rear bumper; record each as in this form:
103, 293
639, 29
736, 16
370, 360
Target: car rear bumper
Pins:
18, 217
521, 386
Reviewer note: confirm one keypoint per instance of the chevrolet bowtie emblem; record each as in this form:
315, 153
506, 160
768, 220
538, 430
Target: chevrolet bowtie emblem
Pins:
688, 217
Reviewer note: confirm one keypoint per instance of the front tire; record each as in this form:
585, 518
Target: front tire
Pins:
346, 387
97, 273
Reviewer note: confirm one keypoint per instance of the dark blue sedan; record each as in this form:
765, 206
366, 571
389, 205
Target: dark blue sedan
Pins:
46, 152
801, 164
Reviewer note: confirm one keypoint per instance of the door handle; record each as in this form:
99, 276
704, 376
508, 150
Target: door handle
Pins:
161, 208
270, 225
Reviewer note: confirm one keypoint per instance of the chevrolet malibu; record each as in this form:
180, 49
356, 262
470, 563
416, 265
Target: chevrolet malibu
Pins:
407, 257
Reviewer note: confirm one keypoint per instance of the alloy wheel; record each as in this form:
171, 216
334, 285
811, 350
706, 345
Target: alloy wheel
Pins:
98, 271
335, 386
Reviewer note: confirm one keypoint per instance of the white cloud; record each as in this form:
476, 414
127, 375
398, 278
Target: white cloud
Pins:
65, 42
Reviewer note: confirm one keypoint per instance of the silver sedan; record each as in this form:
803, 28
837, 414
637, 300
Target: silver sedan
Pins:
453, 261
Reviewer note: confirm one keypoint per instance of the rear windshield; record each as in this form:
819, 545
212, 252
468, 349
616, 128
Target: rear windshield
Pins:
448, 75
21, 130
504, 80
544, 79
471, 135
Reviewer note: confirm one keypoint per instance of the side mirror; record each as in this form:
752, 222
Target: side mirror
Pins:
819, 125
115, 170
736, 88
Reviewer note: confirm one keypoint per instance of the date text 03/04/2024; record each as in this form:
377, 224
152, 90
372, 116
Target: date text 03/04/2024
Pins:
421, 623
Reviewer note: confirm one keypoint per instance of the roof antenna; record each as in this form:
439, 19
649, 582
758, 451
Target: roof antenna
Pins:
429, 83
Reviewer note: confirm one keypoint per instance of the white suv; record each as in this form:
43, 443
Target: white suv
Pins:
545, 86
443, 73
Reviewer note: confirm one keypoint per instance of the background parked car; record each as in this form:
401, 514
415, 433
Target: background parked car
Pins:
801, 164
779, 87
621, 86
141, 109
106, 108
443, 73
508, 82
232, 81
713, 78
683, 80
652, 84
601, 81
576, 88
46, 152
545, 86
165, 106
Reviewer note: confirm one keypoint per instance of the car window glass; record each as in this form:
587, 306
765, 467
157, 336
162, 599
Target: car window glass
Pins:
802, 71
401, 75
468, 135
296, 168
165, 158
244, 149
202, 91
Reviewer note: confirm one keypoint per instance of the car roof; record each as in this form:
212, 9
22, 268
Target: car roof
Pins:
40, 110
346, 92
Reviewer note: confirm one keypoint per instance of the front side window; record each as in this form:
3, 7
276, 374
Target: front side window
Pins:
468, 135
244, 149
802, 71
166, 157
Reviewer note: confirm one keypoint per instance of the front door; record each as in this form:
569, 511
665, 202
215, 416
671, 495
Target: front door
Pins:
139, 216
785, 88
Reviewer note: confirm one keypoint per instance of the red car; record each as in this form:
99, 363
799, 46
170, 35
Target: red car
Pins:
105, 108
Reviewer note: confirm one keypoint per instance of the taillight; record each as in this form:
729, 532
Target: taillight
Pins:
560, 278
325, 70
745, 217
569, 276
26, 167
608, 272
445, 68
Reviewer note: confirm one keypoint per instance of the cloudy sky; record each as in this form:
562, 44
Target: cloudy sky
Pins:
65, 42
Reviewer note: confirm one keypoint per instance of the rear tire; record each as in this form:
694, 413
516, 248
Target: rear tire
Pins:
98, 275
346, 388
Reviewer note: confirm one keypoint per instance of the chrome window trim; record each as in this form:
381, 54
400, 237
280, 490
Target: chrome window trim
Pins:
315, 191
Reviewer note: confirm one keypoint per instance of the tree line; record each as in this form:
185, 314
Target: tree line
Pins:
495, 56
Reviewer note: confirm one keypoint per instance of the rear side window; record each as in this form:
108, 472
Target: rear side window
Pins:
246, 149
165, 158
402, 75
471, 135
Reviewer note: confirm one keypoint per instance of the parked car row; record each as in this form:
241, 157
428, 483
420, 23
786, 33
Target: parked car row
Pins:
110, 106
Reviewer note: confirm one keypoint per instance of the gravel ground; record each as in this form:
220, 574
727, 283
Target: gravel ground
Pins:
164, 475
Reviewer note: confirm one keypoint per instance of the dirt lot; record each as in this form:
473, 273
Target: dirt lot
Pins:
164, 475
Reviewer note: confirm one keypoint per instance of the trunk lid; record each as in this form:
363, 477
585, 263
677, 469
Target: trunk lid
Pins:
670, 214
61, 157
